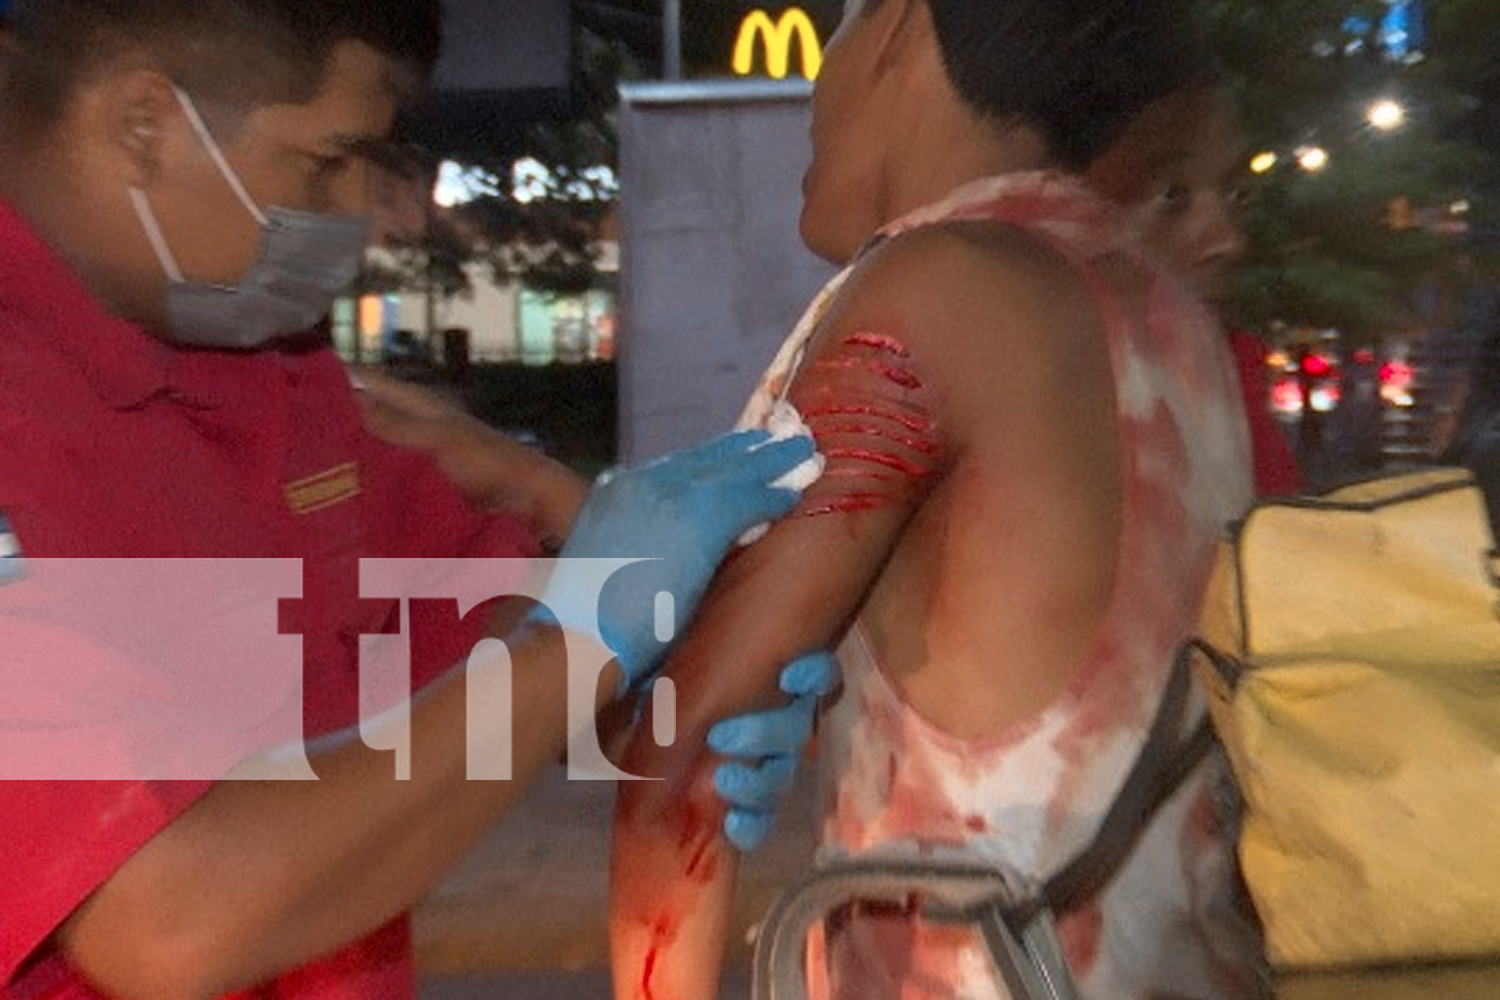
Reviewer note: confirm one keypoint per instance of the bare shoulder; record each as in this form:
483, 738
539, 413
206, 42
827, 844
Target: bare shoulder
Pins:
974, 290
1020, 537
998, 320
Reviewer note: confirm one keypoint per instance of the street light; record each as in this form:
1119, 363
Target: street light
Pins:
1385, 115
1312, 158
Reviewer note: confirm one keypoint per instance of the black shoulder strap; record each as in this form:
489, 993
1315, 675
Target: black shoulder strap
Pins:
1171, 751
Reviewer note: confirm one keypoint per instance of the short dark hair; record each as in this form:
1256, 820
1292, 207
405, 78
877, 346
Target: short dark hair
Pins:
240, 53
1076, 70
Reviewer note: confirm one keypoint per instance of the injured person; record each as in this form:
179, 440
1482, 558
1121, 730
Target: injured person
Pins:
1033, 440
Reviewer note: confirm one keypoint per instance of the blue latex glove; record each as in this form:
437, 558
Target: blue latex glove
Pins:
683, 511
769, 743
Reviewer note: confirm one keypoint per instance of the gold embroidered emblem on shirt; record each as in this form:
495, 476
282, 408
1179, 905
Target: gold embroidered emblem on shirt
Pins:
326, 489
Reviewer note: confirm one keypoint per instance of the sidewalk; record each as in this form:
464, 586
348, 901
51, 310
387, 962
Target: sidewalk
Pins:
525, 914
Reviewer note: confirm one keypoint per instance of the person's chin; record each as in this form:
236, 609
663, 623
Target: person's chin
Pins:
809, 235
825, 220
813, 235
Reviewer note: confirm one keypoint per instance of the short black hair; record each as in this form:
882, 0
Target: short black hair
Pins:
240, 53
1076, 70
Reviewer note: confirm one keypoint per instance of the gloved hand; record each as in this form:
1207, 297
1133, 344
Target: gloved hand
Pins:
770, 742
685, 510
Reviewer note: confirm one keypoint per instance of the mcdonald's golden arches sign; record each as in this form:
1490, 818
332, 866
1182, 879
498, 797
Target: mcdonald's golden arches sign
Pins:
760, 33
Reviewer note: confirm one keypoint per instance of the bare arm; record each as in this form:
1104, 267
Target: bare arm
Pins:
971, 333
672, 874
261, 876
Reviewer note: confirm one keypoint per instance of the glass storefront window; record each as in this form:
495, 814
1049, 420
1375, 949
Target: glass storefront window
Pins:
344, 325
567, 328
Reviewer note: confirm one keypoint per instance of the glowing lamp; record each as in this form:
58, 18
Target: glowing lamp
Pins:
1312, 158
1385, 115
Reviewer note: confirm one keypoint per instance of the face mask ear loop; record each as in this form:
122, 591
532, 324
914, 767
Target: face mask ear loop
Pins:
154, 236
217, 155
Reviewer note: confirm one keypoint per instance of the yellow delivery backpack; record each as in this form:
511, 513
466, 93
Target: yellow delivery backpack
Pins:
1352, 656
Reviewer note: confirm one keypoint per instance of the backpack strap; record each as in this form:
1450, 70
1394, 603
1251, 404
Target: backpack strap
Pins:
1014, 916
1174, 746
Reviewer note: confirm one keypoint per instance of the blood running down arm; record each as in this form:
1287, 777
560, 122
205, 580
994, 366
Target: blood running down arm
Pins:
672, 873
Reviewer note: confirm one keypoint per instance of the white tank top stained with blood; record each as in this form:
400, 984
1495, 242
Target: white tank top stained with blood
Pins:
1031, 798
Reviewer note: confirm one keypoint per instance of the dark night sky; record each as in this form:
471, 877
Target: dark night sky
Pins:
496, 87
524, 35
708, 26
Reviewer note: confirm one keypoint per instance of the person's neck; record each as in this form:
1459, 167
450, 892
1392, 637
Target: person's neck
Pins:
949, 158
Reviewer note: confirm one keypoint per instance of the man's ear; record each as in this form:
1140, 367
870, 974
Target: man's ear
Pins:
138, 109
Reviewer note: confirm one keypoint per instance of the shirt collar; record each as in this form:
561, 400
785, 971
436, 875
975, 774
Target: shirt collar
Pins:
125, 365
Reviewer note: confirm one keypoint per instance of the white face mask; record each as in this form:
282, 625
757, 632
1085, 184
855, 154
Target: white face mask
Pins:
304, 262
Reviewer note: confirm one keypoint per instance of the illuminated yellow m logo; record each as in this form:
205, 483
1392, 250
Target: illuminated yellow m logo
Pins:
778, 42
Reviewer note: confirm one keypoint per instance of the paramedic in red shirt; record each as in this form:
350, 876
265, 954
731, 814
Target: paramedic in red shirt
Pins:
181, 190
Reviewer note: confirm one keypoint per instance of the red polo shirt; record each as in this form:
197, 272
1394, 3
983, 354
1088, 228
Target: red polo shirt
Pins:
114, 444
